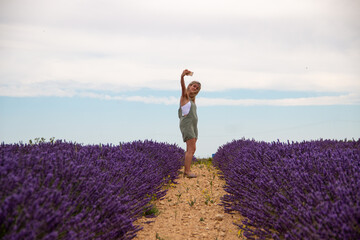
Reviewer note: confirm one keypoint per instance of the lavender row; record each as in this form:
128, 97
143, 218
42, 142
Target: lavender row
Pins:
307, 190
66, 190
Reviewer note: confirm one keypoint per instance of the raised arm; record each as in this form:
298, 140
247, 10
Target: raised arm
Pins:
182, 82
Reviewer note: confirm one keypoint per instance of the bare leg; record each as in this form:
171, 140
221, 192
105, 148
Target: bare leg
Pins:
190, 150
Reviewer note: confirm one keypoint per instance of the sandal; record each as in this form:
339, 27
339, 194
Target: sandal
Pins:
190, 175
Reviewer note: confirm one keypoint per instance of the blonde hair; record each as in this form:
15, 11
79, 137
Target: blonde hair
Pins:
193, 94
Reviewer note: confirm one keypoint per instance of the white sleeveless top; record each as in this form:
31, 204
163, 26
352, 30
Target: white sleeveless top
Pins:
186, 108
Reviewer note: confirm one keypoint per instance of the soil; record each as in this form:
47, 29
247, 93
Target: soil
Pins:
191, 210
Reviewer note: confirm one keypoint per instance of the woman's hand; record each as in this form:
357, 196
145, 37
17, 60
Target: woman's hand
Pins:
185, 72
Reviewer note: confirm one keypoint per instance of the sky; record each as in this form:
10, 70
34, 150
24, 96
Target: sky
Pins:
109, 71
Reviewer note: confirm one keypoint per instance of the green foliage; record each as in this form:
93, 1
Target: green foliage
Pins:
152, 211
178, 195
192, 202
158, 237
41, 140
204, 161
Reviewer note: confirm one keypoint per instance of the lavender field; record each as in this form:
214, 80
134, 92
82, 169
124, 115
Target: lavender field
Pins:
307, 190
61, 190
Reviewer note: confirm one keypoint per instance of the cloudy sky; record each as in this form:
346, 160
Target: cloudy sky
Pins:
109, 71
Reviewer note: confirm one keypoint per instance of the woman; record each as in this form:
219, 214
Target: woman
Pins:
188, 120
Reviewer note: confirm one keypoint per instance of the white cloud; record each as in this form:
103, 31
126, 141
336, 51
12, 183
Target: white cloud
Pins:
348, 99
60, 49
143, 99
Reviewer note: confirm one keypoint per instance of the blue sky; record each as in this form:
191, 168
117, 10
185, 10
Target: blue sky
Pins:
109, 72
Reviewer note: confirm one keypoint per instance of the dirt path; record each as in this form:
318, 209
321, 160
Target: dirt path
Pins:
190, 210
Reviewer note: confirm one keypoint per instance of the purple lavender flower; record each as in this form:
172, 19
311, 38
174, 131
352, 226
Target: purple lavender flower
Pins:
66, 190
307, 190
